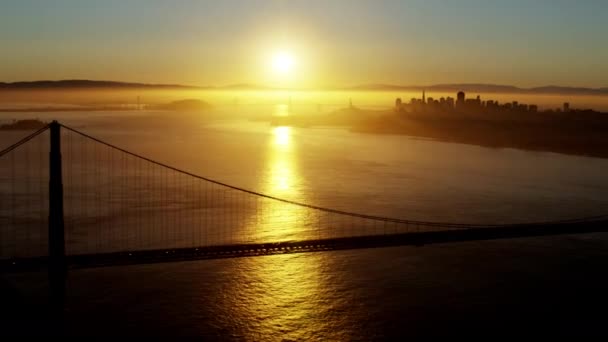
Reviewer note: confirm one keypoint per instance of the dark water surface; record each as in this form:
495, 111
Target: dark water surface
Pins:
552, 286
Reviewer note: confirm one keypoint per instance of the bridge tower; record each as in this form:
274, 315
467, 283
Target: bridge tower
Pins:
56, 261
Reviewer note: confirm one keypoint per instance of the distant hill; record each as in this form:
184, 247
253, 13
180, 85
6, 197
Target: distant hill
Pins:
467, 87
484, 88
87, 84
479, 87
568, 90
386, 87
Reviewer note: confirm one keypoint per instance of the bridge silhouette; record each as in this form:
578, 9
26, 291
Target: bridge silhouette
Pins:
70, 200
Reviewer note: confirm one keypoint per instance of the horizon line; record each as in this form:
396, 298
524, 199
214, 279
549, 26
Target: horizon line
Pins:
245, 85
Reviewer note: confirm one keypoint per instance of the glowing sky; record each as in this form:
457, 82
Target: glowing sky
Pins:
347, 42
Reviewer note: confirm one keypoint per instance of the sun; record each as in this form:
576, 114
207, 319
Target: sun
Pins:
283, 62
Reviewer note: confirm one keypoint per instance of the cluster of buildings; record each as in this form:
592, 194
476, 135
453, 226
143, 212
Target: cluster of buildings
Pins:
462, 104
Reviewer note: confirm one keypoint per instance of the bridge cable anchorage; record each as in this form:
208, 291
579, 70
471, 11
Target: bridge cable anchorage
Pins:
331, 210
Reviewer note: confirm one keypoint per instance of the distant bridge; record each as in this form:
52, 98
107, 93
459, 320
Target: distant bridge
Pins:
68, 199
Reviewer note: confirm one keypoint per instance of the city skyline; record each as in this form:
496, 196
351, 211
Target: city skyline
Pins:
326, 44
475, 105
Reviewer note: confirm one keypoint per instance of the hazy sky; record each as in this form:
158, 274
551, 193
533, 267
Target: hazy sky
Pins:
520, 42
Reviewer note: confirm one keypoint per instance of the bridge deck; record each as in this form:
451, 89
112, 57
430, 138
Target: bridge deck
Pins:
248, 250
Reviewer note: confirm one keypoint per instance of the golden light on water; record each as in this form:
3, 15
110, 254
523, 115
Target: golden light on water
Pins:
281, 174
276, 220
282, 136
287, 289
282, 221
281, 157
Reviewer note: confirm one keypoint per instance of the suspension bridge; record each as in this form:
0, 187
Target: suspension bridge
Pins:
70, 200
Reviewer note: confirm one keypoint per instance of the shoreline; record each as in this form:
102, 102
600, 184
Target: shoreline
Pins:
527, 137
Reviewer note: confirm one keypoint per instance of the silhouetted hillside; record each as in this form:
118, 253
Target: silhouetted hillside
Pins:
467, 87
485, 88
27, 124
87, 84
476, 87
568, 90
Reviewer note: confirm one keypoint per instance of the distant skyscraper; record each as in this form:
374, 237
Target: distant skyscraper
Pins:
450, 102
423, 97
566, 106
460, 96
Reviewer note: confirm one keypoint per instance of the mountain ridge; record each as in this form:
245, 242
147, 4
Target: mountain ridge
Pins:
446, 87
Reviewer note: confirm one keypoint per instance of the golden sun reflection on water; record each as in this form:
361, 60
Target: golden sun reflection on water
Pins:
282, 137
286, 293
281, 163
284, 297
280, 221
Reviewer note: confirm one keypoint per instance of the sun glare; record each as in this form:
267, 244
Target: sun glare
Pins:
282, 136
283, 62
